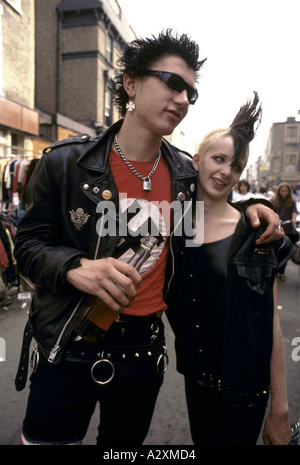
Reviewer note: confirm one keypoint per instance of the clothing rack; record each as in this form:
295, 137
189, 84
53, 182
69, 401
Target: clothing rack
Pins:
15, 173
9, 278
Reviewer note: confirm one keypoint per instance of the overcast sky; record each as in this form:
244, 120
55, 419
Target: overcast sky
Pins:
250, 45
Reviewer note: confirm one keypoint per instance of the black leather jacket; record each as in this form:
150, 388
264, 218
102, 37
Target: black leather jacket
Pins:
248, 308
72, 174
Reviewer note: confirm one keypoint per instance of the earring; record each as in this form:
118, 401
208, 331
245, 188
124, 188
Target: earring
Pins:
130, 106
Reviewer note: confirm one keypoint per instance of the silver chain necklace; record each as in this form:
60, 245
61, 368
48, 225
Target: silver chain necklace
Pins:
147, 185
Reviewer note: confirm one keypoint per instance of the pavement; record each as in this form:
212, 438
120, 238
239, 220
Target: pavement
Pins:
170, 421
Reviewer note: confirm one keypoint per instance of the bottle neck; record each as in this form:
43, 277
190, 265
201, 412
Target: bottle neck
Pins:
139, 258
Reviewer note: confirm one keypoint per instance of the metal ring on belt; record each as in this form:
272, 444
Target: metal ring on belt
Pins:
165, 359
34, 359
98, 362
106, 359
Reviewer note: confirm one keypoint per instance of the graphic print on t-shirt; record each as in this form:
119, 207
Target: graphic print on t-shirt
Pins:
140, 217
141, 212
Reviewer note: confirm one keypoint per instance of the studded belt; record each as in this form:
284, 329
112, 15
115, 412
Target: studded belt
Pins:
103, 362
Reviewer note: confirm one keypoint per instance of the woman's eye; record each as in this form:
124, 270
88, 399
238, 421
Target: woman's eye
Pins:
219, 159
237, 168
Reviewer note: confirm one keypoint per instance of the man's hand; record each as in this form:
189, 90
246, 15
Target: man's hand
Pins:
259, 212
103, 277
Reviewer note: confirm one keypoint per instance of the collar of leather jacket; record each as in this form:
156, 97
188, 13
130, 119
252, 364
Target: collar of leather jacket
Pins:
179, 162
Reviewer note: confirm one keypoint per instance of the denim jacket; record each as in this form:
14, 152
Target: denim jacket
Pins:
248, 308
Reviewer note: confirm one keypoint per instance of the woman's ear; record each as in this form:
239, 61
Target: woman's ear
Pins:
196, 161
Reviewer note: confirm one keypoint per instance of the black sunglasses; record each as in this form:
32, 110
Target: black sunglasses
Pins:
175, 82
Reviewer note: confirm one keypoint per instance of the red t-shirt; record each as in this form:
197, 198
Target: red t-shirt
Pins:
144, 211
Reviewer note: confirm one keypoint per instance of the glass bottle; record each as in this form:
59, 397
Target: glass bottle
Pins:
97, 317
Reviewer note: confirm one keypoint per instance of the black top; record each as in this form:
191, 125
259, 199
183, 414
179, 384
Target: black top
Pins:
209, 262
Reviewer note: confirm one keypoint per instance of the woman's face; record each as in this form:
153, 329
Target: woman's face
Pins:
284, 192
243, 188
216, 174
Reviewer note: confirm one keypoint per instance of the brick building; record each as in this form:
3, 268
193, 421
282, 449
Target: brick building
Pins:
19, 121
57, 64
282, 153
77, 45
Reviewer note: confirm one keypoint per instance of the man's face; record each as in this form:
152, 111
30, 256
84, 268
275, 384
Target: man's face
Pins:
160, 108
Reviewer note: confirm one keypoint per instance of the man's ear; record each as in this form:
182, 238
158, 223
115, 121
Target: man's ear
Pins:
196, 161
129, 84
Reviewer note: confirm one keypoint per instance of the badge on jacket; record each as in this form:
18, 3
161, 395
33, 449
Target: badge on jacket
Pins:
79, 218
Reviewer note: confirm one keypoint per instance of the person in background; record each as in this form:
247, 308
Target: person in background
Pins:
285, 207
242, 191
222, 305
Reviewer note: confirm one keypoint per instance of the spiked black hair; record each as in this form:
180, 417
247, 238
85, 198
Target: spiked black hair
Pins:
139, 54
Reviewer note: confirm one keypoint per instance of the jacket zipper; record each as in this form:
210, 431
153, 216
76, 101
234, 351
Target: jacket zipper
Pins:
56, 348
185, 211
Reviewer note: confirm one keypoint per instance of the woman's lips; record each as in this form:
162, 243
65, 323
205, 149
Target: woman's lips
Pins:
217, 182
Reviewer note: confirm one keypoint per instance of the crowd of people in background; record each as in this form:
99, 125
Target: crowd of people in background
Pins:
285, 201
244, 190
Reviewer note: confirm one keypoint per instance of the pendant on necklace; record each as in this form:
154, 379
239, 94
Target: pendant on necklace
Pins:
147, 185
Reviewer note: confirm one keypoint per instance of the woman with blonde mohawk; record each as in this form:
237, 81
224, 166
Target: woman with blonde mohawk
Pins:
228, 338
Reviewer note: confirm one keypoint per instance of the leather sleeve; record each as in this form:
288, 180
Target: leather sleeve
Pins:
38, 250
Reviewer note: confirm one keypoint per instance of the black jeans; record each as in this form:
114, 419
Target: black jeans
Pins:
217, 421
63, 397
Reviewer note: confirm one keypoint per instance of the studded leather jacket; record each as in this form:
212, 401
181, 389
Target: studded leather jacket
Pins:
65, 195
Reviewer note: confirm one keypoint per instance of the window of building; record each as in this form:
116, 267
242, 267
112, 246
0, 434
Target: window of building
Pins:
290, 163
3, 143
14, 143
116, 8
108, 111
109, 48
291, 135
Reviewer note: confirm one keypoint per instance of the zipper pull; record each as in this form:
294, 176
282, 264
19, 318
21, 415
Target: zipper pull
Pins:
53, 353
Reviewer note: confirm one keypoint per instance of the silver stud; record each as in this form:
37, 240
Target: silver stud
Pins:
85, 187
